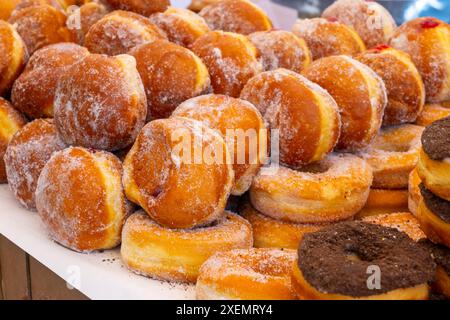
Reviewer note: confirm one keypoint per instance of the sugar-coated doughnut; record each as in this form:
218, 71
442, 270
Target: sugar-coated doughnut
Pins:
80, 199
240, 16
61, 5
281, 49
33, 92
384, 201
177, 187
171, 74
432, 112
26, 154
328, 38
81, 19
414, 195
40, 26
360, 94
175, 254
306, 116
7, 7
10, 122
198, 5
404, 86
231, 60
13, 56
120, 31
370, 19
100, 102
336, 263
393, 155
334, 189
181, 26
143, 7
252, 274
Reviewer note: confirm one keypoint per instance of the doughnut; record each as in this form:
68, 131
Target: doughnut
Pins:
383, 201
432, 112
81, 19
441, 256
181, 26
404, 86
44, 68
360, 94
338, 262
433, 166
27, 153
426, 41
334, 189
402, 221
178, 173
40, 26
414, 195
371, 20
281, 49
13, 55
171, 74
100, 102
143, 7
272, 233
235, 119
7, 7
198, 5
306, 116
61, 5
240, 16
247, 274
328, 38
231, 60
80, 199
393, 155
175, 254
10, 122
120, 31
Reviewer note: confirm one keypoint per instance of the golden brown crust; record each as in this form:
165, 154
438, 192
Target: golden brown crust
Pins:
81, 19
384, 201
432, 112
198, 5
143, 7
414, 196
7, 7
435, 174
436, 229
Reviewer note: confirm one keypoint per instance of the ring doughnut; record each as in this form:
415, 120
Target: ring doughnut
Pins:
332, 190
171, 74
7, 7
158, 174
45, 67
306, 116
414, 196
328, 38
177, 255
404, 86
335, 262
143, 7
248, 274
281, 49
81, 19
239, 16
360, 94
382, 201
26, 154
231, 60
441, 256
100, 102
432, 112
426, 41
393, 155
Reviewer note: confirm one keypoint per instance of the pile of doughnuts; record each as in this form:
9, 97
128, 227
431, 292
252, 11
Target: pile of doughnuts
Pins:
218, 150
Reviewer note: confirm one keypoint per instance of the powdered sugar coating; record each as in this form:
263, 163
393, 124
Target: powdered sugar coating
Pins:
83, 18
143, 7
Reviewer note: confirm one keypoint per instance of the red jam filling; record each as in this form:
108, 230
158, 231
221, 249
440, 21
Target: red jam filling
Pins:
429, 23
381, 47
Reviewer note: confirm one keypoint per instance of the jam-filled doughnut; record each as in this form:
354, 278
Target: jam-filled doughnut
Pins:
334, 189
100, 102
40, 26
177, 255
281, 49
7, 7
171, 74
33, 92
81, 19
432, 112
120, 31
26, 154
382, 201
252, 274
336, 263
13, 56
328, 37
371, 20
360, 94
177, 187
404, 86
306, 116
414, 195
181, 26
240, 16
433, 166
143, 7
393, 155
231, 60
426, 41
80, 199
235, 119
10, 122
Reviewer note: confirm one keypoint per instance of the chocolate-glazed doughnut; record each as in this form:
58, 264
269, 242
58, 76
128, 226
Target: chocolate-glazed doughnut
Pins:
441, 256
